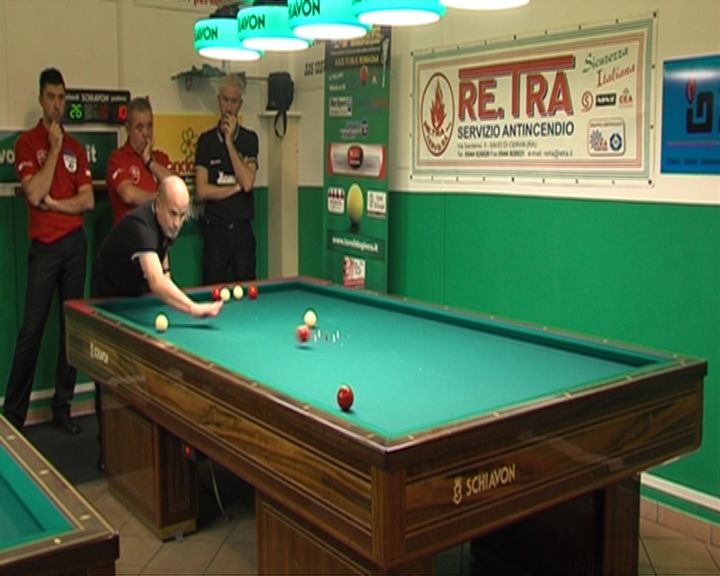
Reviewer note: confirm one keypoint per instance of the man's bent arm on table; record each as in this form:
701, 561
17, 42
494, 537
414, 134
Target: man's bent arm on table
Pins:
162, 285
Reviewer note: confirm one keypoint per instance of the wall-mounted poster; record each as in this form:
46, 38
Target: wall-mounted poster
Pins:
569, 105
177, 136
357, 119
98, 146
691, 116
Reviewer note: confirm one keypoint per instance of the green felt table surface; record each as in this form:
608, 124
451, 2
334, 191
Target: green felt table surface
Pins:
412, 367
27, 514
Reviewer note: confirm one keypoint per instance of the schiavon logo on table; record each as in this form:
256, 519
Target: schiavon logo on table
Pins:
98, 354
465, 487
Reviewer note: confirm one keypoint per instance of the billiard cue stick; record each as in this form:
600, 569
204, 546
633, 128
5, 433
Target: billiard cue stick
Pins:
215, 489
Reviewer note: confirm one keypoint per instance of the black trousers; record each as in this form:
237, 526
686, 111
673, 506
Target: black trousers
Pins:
58, 265
228, 252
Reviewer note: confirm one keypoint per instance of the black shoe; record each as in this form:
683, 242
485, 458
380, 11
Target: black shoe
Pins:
63, 423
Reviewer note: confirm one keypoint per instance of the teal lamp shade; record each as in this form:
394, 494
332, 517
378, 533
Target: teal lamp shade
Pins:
265, 27
399, 12
325, 19
484, 4
217, 38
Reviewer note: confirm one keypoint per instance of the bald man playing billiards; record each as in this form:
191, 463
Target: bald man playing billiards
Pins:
133, 260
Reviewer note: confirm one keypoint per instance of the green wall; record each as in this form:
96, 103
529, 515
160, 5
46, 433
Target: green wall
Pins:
643, 273
13, 270
8, 290
637, 272
310, 237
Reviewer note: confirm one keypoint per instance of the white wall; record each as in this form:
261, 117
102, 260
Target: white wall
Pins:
4, 104
685, 28
120, 44
41, 33
114, 44
310, 101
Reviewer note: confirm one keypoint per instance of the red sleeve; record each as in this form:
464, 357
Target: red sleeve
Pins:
84, 176
116, 172
25, 157
162, 159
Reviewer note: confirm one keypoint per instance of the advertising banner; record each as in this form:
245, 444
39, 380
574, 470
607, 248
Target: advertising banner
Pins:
691, 116
98, 146
177, 136
357, 119
568, 105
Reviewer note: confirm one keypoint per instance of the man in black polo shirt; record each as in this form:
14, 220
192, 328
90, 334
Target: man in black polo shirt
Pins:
133, 259
225, 169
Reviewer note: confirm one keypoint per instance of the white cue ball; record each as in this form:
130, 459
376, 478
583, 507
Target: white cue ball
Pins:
310, 319
238, 292
225, 294
161, 322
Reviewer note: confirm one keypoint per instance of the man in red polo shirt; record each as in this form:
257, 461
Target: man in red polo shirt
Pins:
53, 170
135, 169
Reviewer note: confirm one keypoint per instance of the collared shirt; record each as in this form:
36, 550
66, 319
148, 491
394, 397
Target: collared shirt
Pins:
126, 164
71, 173
212, 154
117, 269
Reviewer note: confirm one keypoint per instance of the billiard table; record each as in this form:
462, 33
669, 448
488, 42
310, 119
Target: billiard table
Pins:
463, 425
46, 526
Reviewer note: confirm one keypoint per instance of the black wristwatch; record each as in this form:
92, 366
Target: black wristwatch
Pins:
147, 164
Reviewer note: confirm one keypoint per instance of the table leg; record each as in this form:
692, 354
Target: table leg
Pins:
286, 544
592, 535
147, 470
621, 527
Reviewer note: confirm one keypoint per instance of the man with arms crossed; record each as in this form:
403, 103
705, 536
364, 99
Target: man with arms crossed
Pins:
53, 171
135, 169
225, 169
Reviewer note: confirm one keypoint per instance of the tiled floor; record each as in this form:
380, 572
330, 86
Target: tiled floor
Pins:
227, 546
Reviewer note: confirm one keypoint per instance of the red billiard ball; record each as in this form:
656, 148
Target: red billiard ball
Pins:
252, 292
345, 397
215, 294
303, 333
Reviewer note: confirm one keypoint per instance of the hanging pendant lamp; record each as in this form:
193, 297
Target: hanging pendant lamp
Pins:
325, 19
399, 12
264, 26
217, 38
484, 4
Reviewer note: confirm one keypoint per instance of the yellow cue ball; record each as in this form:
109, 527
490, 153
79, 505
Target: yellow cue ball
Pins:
310, 319
161, 322
225, 294
355, 204
238, 292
